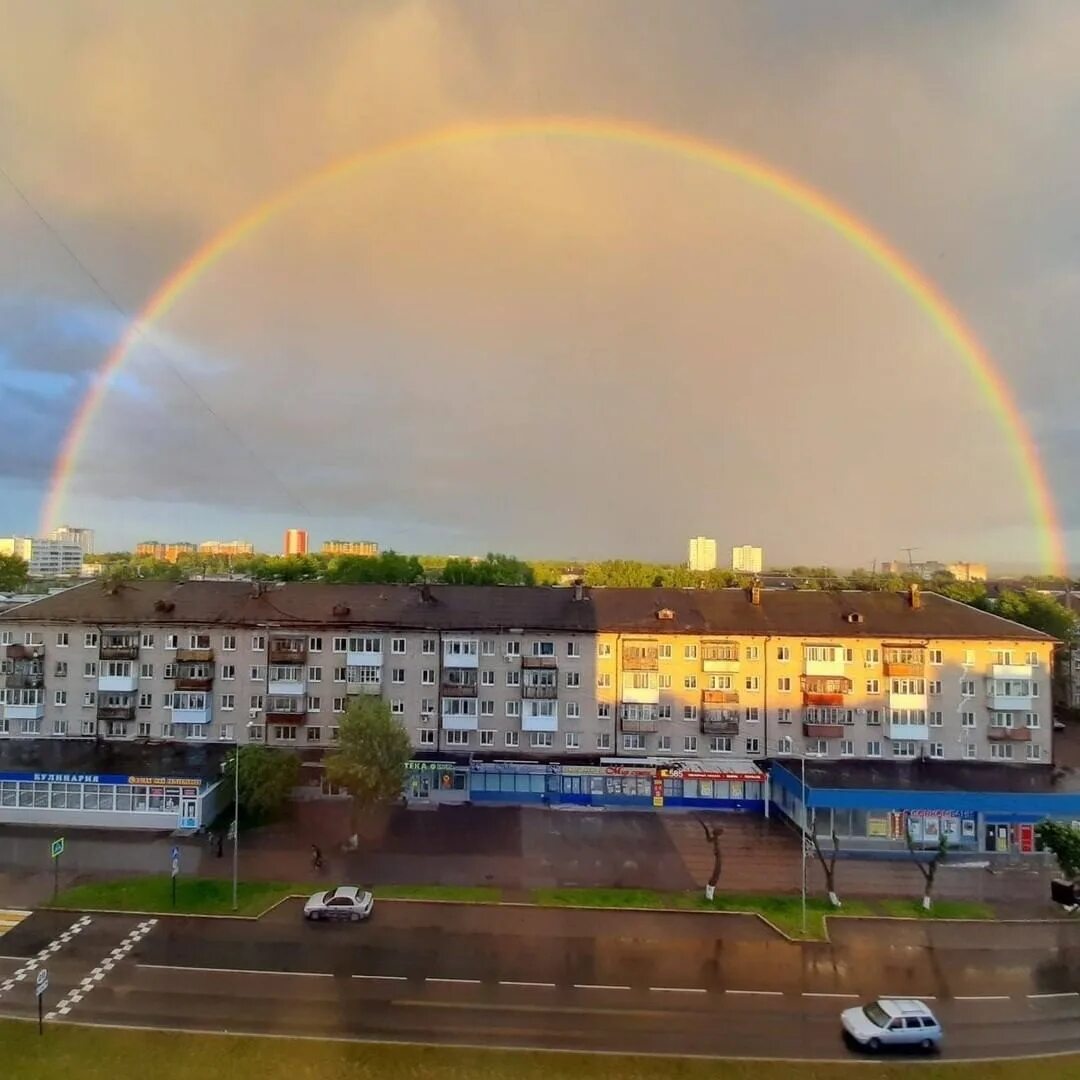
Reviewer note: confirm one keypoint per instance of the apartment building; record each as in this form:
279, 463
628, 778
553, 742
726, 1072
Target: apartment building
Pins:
226, 547
366, 548
747, 559
701, 555
167, 552
75, 534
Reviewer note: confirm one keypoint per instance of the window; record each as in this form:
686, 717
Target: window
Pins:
663, 682
971, 750
427, 677
573, 680
1001, 751
341, 674
784, 685
753, 683
487, 707
603, 711
257, 672
573, 710
573, 649
783, 744
783, 653
603, 648
633, 741
146, 701
510, 739
817, 747
172, 641
90, 669
513, 648
936, 657
967, 687
228, 732
61, 669
720, 744
397, 675
873, 686
873, 748
427, 737
689, 712
167, 730
255, 702
908, 686
314, 704
1032, 719
314, 674
689, 682
663, 712
783, 716
873, 717
339, 704
397, 646
487, 678
689, 652
543, 648
967, 720
603, 681
88, 727
487, 737
228, 642
513, 708
1034, 752
540, 740
847, 747
936, 719
167, 701
284, 732
199, 641
397, 706
6, 637
753, 652
937, 750
146, 671
903, 749
314, 734
142, 729
933, 686
663, 742
90, 640
60, 726
428, 646
573, 740
60, 697
228, 702
603, 740
62, 640
1032, 658
753, 746
513, 678
258, 642
664, 652
753, 714
228, 671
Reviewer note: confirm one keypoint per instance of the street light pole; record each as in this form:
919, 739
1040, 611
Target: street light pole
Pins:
236, 823
802, 840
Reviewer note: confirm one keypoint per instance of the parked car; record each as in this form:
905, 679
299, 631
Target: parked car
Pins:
344, 902
892, 1022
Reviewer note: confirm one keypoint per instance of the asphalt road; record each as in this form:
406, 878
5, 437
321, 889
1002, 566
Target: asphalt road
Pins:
526, 977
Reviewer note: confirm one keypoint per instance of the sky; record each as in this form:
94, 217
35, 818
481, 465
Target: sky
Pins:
547, 346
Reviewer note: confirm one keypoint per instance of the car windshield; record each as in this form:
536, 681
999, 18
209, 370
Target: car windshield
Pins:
876, 1014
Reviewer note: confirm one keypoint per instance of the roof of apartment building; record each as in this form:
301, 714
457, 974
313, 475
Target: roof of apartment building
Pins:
842, 614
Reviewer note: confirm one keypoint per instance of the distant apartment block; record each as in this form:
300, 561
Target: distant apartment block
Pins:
46, 558
226, 547
962, 571
296, 542
167, 552
367, 548
702, 555
746, 559
74, 534
19, 546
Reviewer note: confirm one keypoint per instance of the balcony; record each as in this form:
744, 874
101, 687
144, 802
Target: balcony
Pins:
641, 660
638, 726
538, 716
460, 721
904, 662
540, 691
286, 716
116, 712
1012, 671
823, 731
907, 732
823, 666
118, 684
828, 701
363, 658
544, 663
287, 679
1010, 695
641, 695
458, 690
1009, 734
357, 686
33, 711
719, 697
195, 656
25, 652
193, 682
287, 650
198, 715
720, 659
25, 680
460, 653
119, 651
719, 724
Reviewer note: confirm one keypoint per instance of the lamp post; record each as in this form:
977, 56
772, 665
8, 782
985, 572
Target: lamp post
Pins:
236, 820
802, 840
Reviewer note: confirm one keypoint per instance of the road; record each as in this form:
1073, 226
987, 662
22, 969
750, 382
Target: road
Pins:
527, 977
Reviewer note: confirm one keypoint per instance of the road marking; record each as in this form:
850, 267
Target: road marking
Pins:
547, 1010
238, 971
1062, 994
512, 982
460, 982
817, 994
598, 986
763, 993
679, 989
982, 997
390, 978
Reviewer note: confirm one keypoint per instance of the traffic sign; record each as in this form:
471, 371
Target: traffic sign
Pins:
58, 848
42, 983
175, 853
175, 865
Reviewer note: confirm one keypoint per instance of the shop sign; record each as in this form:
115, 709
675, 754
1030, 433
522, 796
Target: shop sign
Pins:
161, 781
658, 792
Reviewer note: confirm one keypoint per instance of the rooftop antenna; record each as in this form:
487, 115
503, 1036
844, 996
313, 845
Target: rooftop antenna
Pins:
910, 561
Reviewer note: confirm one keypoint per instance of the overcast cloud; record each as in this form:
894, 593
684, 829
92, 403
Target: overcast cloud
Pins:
547, 346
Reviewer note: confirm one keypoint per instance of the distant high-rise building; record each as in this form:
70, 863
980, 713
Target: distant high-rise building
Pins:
296, 542
702, 554
969, 571
367, 548
746, 559
167, 552
19, 546
46, 558
75, 534
226, 547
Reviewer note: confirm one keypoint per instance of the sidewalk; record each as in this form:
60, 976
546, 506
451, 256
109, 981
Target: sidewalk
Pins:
514, 848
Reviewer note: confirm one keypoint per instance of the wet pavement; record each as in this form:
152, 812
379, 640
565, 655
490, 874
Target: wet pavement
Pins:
509, 976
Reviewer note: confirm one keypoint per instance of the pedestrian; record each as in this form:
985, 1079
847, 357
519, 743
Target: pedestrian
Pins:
220, 845
316, 857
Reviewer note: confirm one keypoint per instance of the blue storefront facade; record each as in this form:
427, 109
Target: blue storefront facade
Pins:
997, 815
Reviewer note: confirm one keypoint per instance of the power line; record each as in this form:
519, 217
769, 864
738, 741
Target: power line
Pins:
55, 233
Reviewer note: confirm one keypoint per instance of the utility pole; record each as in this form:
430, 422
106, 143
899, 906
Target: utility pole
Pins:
910, 561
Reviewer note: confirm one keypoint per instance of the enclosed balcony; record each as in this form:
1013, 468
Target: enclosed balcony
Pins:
824, 690
117, 676
539, 716
459, 715
641, 687
193, 676
641, 656
823, 660
904, 661
549, 663
24, 652
191, 708
907, 731
286, 679
286, 710
28, 677
459, 682
639, 718
24, 704
822, 731
287, 650
109, 712
720, 657
363, 680
720, 722
1011, 694
1008, 734
119, 646
713, 698
461, 653
194, 656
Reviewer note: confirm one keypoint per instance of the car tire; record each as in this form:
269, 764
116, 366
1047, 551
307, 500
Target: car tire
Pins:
927, 1046
873, 1045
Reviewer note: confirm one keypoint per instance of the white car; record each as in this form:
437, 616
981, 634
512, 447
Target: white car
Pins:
344, 902
892, 1022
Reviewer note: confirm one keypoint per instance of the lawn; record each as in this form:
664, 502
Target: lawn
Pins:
195, 896
104, 1054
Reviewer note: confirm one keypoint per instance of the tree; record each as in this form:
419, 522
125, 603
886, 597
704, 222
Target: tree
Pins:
712, 837
1038, 611
828, 865
371, 757
13, 573
1064, 841
267, 779
928, 869
494, 569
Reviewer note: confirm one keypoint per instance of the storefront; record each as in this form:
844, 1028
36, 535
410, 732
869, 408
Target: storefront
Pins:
437, 781
107, 800
987, 808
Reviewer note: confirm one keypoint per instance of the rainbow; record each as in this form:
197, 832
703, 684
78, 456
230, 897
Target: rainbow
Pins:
797, 194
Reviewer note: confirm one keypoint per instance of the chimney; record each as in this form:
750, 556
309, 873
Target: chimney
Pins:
579, 590
753, 593
914, 596
426, 596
